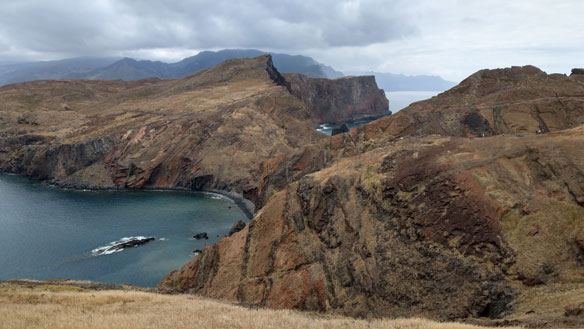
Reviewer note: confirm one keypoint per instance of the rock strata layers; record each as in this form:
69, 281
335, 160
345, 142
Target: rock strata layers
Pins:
340, 100
371, 223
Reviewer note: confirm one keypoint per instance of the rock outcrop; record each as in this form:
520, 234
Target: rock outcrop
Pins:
432, 226
517, 100
340, 129
340, 100
208, 131
437, 225
238, 226
218, 129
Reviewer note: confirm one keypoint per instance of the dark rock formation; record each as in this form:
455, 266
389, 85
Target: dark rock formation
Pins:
577, 71
340, 100
340, 129
200, 236
240, 225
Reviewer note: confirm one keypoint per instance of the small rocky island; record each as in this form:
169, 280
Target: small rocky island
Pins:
122, 244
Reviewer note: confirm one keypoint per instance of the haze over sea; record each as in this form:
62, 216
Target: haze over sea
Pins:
48, 232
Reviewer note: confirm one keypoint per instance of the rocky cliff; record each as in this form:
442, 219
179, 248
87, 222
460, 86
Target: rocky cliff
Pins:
215, 130
207, 131
341, 99
408, 215
437, 225
515, 100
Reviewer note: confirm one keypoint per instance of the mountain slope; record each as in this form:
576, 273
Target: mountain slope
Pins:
134, 70
436, 224
209, 130
213, 130
517, 100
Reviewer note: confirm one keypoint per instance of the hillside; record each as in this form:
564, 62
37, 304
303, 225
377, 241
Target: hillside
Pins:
78, 305
410, 217
452, 209
209, 131
517, 100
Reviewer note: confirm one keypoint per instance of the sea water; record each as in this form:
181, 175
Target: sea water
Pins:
49, 233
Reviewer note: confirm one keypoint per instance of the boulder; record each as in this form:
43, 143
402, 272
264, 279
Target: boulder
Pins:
340, 129
202, 235
240, 225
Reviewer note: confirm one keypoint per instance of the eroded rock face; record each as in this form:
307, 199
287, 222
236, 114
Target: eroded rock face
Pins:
424, 227
341, 99
517, 100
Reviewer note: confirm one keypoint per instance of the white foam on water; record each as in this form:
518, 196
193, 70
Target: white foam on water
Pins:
110, 247
217, 196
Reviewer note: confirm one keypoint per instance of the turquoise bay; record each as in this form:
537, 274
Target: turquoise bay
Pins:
48, 233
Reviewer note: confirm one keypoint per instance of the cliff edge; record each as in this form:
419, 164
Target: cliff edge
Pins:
340, 100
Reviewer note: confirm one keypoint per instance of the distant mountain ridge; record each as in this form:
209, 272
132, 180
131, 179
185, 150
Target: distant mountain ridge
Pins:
130, 69
400, 82
52, 70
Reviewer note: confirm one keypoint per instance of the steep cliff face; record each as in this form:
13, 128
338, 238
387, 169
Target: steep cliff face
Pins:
211, 130
427, 226
515, 100
370, 223
341, 99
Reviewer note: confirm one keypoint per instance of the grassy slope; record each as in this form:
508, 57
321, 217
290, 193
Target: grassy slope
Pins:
51, 305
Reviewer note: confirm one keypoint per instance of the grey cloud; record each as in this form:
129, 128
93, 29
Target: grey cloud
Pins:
105, 27
452, 38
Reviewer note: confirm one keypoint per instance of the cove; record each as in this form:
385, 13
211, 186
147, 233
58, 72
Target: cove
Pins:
49, 233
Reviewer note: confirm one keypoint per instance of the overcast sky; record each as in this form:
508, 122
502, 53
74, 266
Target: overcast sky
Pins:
450, 38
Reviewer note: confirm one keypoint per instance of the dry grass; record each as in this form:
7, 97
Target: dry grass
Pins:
43, 306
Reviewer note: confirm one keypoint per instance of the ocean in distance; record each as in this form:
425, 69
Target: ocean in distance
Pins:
49, 233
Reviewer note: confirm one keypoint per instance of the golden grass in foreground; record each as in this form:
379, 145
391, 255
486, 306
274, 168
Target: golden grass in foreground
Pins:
45, 306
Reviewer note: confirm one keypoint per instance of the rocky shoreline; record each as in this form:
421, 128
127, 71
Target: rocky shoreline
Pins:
245, 205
